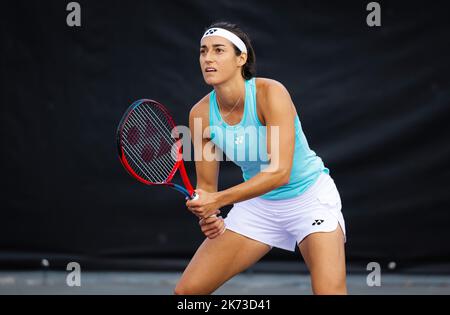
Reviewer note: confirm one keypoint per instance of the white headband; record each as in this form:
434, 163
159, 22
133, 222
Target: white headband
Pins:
227, 35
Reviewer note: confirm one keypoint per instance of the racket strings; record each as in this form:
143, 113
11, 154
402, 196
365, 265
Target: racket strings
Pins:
149, 146
162, 122
150, 149
144, 171
162, 146
155, 170
138, 153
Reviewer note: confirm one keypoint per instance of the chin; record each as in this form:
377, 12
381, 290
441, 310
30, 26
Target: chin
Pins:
212, 81
217, 79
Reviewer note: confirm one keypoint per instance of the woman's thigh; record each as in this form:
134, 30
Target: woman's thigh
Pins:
217, 260
324, 254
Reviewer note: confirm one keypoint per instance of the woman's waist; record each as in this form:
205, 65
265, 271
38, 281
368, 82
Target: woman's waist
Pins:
322, 182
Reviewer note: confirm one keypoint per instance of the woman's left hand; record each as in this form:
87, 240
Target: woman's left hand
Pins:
205, 206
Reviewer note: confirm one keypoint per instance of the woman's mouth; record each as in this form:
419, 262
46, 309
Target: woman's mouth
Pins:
210, 69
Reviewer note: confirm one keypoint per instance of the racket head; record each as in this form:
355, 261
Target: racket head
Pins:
146, 142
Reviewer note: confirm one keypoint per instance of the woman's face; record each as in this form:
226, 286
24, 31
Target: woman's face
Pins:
218, 60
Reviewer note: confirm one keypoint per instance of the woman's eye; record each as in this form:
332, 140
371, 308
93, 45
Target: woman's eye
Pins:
219, 50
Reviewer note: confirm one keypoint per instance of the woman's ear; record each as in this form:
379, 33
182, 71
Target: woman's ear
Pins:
242, 59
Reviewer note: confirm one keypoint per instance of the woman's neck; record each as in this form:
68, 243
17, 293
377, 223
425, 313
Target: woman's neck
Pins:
231, 92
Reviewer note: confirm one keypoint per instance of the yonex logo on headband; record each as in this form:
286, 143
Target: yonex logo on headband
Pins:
216, 31
210, 31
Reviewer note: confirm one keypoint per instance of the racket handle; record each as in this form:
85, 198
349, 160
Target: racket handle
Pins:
195, 196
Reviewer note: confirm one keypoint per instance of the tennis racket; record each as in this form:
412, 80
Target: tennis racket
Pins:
148, 146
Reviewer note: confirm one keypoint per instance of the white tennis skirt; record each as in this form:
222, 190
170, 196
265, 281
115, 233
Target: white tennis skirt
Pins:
285, 223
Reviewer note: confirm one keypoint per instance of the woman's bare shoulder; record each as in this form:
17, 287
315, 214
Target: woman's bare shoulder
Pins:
266, 84
201, 108
268, 89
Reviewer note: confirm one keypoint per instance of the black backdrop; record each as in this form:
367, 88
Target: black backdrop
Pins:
373, 101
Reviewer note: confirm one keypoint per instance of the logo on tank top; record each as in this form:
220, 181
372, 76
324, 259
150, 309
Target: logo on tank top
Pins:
318, 222
239, 139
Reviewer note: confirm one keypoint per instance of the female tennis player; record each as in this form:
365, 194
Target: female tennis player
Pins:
287, 198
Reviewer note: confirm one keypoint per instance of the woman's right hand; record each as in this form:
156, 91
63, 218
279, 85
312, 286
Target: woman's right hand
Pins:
212, 226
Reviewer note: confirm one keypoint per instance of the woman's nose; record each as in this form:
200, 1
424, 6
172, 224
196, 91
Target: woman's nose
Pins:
208, 57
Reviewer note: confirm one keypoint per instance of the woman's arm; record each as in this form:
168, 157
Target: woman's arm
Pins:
206, 168
279, 111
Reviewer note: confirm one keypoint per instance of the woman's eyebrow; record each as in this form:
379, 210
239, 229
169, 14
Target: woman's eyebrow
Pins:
215, 45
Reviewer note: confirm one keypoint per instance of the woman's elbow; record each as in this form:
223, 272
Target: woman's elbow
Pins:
284, 176
280, 175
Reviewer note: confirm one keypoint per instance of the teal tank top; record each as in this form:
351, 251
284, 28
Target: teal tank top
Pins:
245, 145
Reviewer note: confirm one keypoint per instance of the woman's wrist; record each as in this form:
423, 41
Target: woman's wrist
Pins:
221, 197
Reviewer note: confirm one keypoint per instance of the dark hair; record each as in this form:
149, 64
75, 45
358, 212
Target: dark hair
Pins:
249, 68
